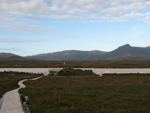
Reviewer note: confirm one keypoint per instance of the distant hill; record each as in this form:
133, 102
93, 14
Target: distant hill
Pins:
125, 52
70, 55
10, 56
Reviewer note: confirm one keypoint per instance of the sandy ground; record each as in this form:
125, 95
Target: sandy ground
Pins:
98, 71
10, 102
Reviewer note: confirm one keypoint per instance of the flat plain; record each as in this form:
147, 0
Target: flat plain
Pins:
75, 64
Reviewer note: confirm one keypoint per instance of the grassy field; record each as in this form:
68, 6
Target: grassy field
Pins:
88, 64
89, 94
9, 80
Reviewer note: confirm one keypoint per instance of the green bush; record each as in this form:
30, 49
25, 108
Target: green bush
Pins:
75, 72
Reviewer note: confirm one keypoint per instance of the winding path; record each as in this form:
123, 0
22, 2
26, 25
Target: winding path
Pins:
10, 102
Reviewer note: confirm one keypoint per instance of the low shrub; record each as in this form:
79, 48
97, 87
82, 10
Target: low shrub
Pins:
75, 72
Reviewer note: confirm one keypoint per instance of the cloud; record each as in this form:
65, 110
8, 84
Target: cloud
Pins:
21, 14
78, 9
15, 40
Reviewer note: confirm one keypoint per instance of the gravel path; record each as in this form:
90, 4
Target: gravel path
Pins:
10, 102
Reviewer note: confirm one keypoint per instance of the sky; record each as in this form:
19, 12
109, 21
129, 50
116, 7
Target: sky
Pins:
29, 27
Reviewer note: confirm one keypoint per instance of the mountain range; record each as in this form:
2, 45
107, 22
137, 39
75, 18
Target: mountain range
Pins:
125, 52
10, 56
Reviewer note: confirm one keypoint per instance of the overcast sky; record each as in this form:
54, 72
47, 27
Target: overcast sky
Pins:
30, 27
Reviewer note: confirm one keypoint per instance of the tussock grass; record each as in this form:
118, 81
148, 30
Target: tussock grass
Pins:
9, 80
89, 94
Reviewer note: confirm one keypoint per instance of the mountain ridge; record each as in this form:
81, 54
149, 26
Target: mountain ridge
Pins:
124, 52
128, 52
69, 55
10, 56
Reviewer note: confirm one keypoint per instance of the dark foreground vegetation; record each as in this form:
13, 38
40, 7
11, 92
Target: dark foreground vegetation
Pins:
9, 80
126, 74
81, 64
89, 94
